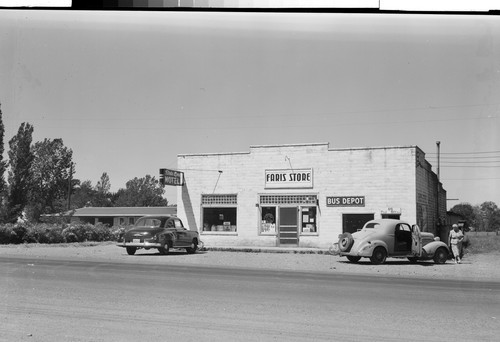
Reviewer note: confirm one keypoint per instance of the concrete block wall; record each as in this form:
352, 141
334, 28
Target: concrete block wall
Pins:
428, 185
385, 176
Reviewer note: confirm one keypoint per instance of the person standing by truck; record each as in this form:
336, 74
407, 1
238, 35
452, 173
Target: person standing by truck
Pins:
455, 241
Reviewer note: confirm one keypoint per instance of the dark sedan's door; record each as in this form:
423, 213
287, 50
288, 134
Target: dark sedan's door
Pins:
170, 227
183, 236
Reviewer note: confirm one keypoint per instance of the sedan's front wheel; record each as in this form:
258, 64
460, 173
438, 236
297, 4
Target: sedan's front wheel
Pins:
193, 248
131, 250
379, 255
165, 249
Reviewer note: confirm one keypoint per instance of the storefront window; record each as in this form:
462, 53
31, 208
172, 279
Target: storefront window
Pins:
308, 219
268, 220
219, 213
219, 219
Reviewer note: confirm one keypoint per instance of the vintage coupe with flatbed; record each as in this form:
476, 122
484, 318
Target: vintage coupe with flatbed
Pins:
379, 239
162, 232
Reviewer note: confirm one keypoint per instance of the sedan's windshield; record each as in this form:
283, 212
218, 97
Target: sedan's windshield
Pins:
148, 222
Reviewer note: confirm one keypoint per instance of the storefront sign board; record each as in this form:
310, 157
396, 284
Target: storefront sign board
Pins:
288, 179
392, 211
171, 177
345, 201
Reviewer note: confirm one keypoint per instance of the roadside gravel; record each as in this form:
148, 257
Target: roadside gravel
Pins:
481, 267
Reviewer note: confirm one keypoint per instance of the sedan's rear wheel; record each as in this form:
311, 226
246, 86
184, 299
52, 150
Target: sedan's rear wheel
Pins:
131, 250
441, 255
353, 259
379, 255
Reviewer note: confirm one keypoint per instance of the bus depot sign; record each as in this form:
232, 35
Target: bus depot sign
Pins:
345, 201
171, 177
288, 179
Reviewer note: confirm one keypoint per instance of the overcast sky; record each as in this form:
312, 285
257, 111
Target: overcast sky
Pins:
128, 91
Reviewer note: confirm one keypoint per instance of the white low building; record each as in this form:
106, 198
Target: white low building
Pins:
305, 194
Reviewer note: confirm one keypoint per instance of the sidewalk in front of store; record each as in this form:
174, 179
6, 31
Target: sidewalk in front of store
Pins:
253, 249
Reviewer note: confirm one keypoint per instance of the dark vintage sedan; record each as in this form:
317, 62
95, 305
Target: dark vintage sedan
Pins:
162, 232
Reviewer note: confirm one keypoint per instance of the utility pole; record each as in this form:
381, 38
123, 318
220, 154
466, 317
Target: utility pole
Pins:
70, 178
438, 143
438, 227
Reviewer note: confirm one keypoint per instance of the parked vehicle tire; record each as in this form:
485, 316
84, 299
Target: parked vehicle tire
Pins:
413, 260
441, 255
379, 255
353, 259
345, 242
165, 249
131, 250
193, 248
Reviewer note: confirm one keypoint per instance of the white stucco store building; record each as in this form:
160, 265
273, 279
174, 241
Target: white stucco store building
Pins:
305, 194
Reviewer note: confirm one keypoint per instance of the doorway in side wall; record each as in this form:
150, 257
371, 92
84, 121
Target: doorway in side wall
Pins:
351, 223
288, 227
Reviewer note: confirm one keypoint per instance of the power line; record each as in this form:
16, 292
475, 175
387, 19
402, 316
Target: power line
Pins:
482, 152
469, 179
471, 162
473, 157
471, 166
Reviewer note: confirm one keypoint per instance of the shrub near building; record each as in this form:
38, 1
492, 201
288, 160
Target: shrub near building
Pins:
56, 233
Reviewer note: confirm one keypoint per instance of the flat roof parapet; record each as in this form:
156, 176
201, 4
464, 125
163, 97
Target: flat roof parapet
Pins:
327, 145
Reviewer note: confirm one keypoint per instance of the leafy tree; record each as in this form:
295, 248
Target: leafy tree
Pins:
467, 211
86, 195
141, 192
103, 185
3, 167
19, 178
102, 196
490, 215
83, 195
50, 171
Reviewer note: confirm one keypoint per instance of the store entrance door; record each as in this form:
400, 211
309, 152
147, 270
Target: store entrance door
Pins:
288, 227
351, 223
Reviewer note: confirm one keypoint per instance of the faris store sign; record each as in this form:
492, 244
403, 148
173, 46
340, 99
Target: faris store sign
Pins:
288, 179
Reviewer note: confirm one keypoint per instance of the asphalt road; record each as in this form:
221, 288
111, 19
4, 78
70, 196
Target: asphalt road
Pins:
71, 300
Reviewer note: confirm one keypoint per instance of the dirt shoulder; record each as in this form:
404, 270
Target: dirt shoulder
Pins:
481, 267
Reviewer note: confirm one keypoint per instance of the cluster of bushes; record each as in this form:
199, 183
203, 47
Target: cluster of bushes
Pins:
482, 243
57, 233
